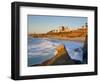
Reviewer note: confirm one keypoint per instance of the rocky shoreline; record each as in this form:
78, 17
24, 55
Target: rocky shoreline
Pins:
77, 39
62, 57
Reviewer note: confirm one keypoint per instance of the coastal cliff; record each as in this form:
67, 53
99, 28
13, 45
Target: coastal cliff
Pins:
74, 35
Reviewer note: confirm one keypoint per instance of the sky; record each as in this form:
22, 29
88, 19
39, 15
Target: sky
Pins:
44, 23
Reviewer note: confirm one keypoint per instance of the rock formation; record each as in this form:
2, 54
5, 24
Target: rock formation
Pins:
61, 57
85, 49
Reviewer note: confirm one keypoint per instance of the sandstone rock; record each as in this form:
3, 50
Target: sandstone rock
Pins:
61, 57
62, 52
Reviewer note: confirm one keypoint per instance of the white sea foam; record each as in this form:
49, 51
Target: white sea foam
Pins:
43, 46
42, 49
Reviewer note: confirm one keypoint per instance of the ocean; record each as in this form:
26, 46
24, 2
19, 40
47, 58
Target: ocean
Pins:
42, 49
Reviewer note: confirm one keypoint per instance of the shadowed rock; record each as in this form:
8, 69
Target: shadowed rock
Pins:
85, 49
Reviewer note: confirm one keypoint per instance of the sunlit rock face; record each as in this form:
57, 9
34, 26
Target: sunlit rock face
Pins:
61, 57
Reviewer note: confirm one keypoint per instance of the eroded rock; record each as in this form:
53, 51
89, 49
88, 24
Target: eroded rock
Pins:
61, 57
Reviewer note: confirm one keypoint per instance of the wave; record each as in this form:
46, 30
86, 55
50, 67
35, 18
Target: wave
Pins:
41, 46
40, 49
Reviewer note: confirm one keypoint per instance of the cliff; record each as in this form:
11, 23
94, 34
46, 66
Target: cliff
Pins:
78, 34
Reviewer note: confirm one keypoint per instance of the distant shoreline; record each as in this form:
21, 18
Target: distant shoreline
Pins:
73, 35
77, 39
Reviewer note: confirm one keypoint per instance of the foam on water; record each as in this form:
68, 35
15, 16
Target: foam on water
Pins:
40, 49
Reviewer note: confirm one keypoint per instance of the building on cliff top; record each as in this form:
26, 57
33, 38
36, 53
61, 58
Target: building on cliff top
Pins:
68, 29
63, 29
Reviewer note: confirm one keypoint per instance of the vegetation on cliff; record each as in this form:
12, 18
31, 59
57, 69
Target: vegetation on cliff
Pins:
78, 34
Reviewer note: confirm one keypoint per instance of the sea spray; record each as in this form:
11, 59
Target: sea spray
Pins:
42, 49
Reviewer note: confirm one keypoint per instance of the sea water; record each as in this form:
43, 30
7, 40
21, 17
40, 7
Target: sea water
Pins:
42, 49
